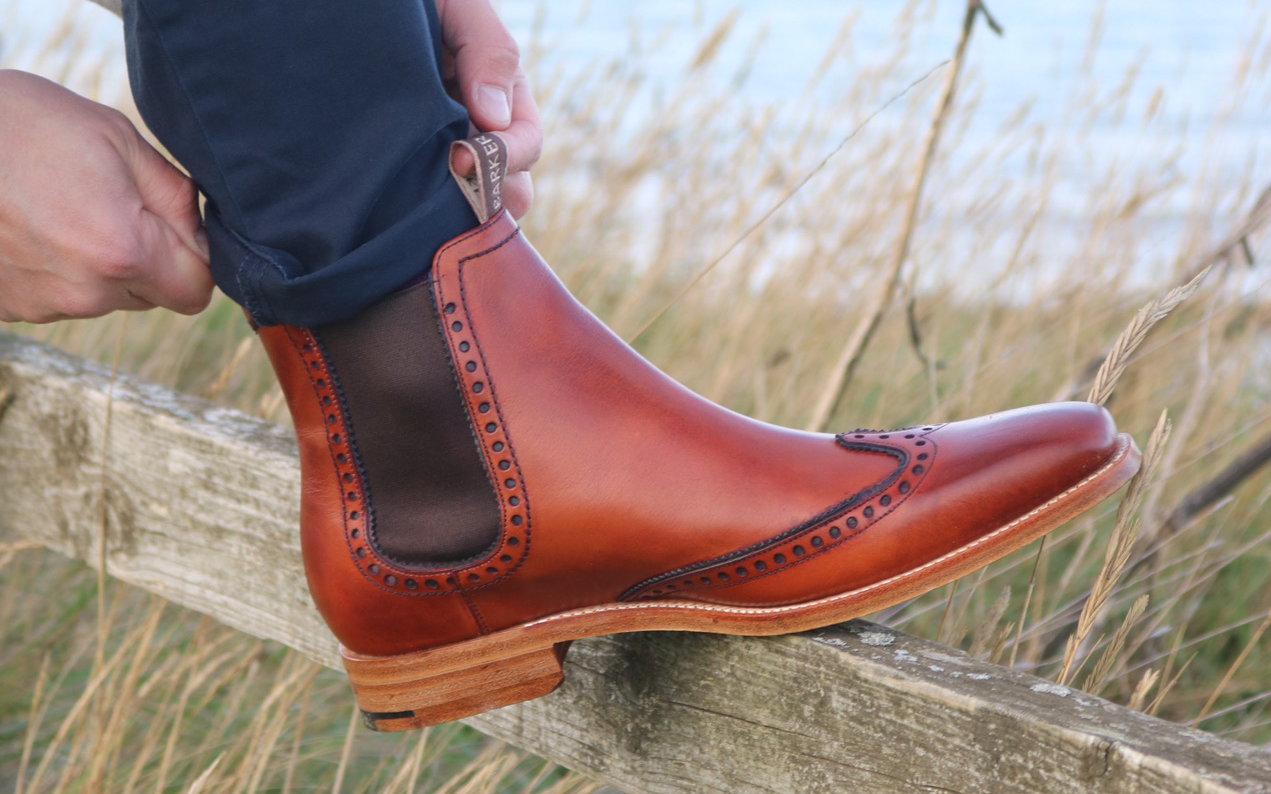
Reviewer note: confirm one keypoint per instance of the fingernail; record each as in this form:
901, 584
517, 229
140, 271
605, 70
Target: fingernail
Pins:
200, 239
494, 104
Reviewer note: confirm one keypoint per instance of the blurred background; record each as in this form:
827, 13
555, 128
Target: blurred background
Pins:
1095, 155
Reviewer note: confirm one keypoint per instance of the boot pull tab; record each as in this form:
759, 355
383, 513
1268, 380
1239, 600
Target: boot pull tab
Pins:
484, 189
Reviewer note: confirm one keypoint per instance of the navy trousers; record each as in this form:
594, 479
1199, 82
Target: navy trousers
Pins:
318, 130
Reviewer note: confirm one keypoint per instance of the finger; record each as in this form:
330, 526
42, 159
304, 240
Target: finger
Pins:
518, 188
518, 193
72, 301
524, 136
165, 191
450, 76
463, 161
486, 60
449, 72
169, 273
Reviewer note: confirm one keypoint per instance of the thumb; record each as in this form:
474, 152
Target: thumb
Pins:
166, 193
486, 60
171, 274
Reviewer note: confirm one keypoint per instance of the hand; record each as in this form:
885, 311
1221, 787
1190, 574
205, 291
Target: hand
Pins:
483, 73
92, 218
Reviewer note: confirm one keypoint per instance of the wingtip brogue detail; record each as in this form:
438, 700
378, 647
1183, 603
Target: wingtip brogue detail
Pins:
914, 452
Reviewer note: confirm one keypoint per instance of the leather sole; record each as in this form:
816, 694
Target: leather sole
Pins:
523, 662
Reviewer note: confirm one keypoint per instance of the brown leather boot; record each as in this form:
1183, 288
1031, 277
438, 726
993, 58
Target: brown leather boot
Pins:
489, 473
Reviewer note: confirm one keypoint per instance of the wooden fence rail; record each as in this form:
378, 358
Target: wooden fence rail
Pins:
202, 508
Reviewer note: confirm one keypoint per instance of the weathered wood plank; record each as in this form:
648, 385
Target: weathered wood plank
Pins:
197, 496
202, 508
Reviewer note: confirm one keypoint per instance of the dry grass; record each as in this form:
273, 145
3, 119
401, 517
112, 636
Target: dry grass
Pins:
181, 703
1014, 301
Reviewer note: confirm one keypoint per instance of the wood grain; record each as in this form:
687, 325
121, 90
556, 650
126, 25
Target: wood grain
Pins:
202, 508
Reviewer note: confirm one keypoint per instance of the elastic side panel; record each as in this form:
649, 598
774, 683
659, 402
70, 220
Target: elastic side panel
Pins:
430, 498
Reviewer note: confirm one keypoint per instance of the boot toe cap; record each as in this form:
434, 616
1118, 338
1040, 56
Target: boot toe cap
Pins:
995, 471
1020, 456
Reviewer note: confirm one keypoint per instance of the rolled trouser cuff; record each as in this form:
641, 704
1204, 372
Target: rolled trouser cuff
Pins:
277, 289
